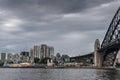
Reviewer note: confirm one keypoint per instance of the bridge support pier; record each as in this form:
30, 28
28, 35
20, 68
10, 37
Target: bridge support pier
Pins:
97, 55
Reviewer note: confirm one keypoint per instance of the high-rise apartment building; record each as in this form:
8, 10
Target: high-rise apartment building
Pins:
41, 51
44, 51
36, 51
31, 55
51, 51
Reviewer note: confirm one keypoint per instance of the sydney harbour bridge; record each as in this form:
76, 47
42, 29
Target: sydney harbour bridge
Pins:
104, 55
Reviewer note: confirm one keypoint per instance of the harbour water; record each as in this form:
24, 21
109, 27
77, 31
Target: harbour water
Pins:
58, 74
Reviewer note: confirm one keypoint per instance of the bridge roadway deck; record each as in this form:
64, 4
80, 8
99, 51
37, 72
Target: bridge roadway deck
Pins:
113, 45
109, 47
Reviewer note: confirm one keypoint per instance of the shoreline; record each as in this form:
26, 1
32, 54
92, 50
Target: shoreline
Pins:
63, 68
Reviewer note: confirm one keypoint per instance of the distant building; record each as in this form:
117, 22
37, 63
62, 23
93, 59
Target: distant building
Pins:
58, 60
13, 58
51, 52
41, 51
31, 55
58, 55
36, 51
3, 57
25, 53
44, 52
65, 58
9, 57
16, 58
50, 63
24, 56
48, 52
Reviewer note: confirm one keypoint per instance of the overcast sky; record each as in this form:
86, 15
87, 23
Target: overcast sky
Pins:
71, 26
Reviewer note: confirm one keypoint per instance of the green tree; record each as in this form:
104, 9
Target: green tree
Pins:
36, 60
1, 64
44, 60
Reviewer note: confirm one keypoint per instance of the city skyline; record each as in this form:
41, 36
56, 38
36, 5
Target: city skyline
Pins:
70, 26
40, 52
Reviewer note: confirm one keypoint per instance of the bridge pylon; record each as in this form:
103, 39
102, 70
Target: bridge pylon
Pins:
97, 55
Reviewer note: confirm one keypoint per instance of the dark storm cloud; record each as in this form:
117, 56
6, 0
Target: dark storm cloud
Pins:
38, 9
72, 23
62, 5
44, 11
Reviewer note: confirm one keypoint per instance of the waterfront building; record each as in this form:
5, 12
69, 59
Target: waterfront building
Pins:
65, 58
9, 57
3, 57
58, 55
24, 53
31, 55
48, 52
16, 58
36, 51
51, 52
41, 51
44, 51
13, 58
58, 59
24, 56
50, 63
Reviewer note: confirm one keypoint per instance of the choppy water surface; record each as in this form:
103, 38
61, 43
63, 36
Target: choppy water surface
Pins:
58, 74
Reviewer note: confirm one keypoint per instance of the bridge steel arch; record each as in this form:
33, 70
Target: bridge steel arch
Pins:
111, 43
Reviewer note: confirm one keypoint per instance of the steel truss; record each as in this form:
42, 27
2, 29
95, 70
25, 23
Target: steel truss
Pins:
112, 35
